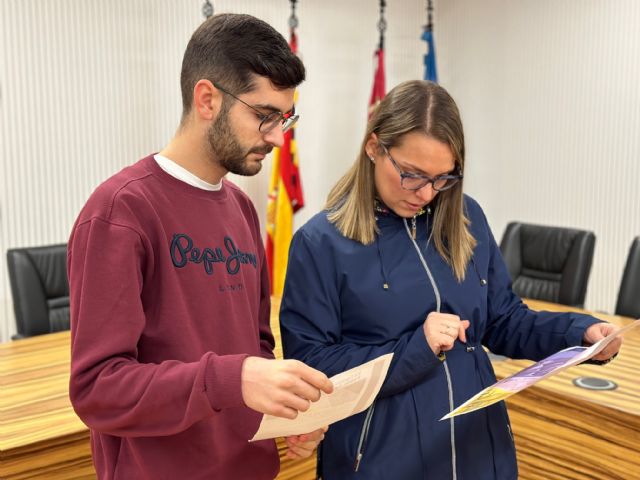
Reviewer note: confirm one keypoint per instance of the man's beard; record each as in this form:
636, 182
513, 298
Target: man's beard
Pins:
227, 149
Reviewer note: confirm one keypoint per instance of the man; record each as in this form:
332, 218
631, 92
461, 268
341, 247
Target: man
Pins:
171, 354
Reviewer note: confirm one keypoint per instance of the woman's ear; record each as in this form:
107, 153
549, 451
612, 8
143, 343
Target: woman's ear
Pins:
371, 147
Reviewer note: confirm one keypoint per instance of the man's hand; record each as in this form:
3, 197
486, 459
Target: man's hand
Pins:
443, 329
597, 332
302, 446
281, 388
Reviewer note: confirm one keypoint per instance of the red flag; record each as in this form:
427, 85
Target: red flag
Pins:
378, 91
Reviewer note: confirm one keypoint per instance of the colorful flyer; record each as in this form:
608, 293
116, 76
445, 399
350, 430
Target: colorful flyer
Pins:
533, 374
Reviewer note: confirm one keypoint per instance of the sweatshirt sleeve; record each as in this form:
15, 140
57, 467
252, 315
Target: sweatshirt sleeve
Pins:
516, 331
312, 329
110, 390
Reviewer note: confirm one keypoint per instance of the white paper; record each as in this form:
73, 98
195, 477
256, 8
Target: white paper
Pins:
353, 392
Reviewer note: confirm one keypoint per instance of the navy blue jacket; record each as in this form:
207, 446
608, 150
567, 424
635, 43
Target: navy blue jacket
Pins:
336, 314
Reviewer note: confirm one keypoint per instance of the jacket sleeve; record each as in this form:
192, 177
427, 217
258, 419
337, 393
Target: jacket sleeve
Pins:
111, 391
516, 331
312, 329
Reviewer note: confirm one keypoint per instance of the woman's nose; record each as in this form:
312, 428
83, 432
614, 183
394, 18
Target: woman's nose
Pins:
426, 193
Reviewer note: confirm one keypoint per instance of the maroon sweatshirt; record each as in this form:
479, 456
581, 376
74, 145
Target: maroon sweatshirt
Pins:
169, 294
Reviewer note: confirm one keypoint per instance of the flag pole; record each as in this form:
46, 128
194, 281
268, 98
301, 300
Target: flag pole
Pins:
207, 9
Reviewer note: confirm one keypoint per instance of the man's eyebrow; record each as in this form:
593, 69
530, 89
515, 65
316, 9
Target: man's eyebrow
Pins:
271, 108
266, 106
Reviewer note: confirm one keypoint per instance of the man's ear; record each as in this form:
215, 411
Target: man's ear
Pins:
207, 100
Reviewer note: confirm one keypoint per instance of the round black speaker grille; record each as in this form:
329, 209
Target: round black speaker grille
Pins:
593, 383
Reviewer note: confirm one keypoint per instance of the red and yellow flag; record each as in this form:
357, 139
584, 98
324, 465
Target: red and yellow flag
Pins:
285, 198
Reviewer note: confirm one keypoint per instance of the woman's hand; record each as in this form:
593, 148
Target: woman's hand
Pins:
442, 330
302, 446
597, 332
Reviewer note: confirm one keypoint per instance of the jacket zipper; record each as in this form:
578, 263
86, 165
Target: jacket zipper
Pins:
451, 420
446, 367
363, 436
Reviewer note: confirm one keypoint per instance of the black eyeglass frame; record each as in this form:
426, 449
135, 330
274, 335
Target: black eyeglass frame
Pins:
454, 179
287, 120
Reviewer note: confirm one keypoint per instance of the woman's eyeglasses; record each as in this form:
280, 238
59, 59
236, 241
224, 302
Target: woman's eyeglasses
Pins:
414, 181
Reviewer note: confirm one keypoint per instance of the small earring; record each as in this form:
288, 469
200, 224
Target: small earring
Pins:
373, 160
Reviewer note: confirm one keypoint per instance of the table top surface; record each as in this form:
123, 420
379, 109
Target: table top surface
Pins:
34, 400
34, 379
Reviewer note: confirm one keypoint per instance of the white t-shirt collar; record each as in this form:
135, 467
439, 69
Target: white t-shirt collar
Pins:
181, 173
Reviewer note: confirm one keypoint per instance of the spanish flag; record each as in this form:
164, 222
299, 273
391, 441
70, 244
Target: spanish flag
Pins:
285, 198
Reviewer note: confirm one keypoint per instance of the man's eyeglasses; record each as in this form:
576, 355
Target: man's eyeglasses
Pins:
269, 121
414, 181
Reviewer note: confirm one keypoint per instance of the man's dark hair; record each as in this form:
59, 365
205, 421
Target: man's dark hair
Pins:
230, 49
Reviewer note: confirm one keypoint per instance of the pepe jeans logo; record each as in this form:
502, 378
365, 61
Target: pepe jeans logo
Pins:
182, 252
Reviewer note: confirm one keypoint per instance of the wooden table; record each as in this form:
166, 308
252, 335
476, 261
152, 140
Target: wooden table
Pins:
40, 435
561, 431
566, 432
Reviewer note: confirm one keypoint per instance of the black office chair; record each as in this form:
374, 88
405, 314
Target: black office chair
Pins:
628, 303
40, 289
548, 263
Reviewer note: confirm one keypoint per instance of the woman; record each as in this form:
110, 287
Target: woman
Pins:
401, 261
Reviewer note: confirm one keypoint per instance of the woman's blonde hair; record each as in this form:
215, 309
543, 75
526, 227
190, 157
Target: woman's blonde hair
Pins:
414, 106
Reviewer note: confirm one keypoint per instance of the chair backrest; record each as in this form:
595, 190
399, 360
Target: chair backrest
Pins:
40, 289
549, 263
628, 303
